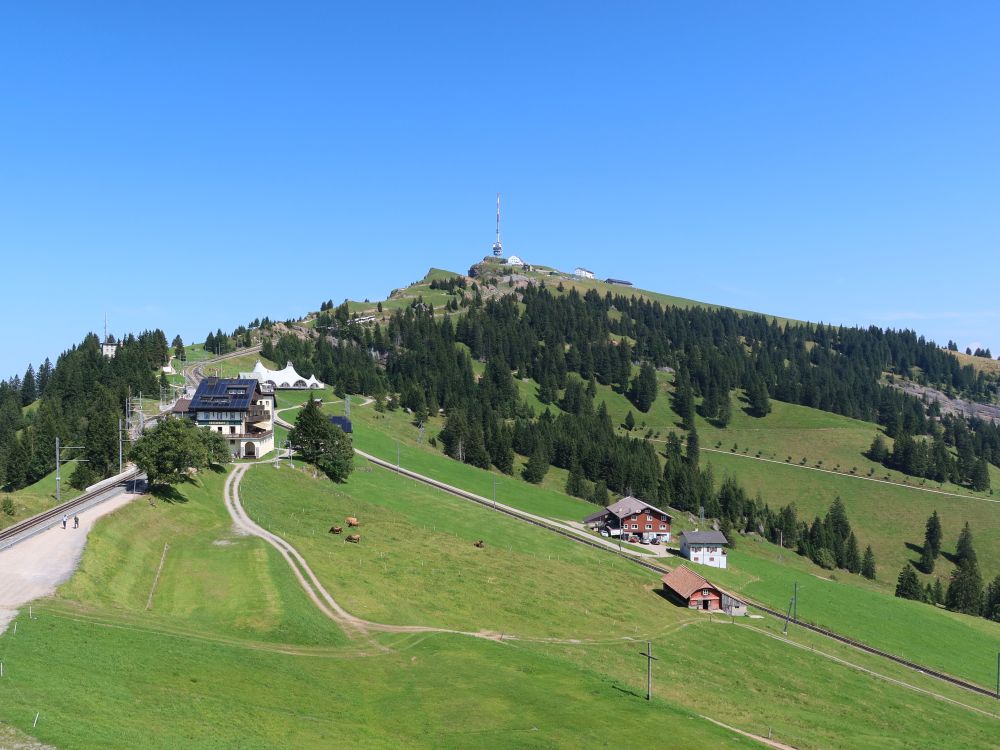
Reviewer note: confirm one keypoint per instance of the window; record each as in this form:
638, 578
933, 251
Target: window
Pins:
704, 592
635, 526
649, 527
711, 559
663, 527
634, 517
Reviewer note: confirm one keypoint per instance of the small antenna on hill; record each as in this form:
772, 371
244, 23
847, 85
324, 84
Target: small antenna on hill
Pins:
497, 247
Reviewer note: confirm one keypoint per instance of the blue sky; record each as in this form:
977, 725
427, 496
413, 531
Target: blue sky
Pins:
192, 166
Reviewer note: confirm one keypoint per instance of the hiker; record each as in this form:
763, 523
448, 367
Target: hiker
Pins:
76, 522
65, 519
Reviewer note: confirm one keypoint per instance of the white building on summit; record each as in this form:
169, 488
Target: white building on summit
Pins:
286, 379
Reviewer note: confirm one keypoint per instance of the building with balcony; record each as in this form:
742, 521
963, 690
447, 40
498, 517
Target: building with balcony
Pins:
241, 410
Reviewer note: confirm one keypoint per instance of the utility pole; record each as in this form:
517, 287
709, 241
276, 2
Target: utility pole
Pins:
59, 450
649, 669
120, 445
787, 616
795, 602
494, 492
397, 455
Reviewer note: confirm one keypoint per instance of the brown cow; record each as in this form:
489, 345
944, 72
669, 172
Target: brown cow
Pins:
480, 544
352, 521
336, 529
354, 538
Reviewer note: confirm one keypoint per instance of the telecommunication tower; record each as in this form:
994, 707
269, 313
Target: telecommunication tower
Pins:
497, 247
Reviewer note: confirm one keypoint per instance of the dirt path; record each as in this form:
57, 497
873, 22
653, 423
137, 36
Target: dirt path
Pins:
36, 566
353, 626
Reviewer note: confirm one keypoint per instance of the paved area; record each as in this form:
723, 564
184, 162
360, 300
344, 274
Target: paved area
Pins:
36, 566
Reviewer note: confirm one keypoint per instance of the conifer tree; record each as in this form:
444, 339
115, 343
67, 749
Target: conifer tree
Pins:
629, 421
932, 535
927, 560
908, 585
868, 564
938, 592
853, 557
537, 466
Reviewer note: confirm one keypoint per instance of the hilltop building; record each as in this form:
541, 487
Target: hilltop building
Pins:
109, 348
285, 379
583, 273
705, 547
241, 410
631, 516
621, 282
514, 261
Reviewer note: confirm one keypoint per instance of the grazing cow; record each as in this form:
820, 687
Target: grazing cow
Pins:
480, 544
354, 538
336, 529
352, 521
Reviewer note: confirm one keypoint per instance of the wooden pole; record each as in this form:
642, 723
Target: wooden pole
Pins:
649, 669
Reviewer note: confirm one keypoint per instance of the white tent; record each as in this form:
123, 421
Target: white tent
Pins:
287, 378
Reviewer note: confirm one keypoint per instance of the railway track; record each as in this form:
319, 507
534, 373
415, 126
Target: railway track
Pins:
971, 687
49, 518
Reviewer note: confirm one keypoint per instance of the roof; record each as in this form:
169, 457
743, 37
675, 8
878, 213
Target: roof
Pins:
685, 581
181, 406
627, 506
704, 537
343, 423
223, 393
287, 377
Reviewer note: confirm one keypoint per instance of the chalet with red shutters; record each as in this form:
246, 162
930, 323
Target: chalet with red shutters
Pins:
630, 517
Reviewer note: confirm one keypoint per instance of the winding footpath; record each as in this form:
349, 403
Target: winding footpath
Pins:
353, 626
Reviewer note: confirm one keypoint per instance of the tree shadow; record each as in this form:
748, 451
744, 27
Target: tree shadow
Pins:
168, 494
950, 557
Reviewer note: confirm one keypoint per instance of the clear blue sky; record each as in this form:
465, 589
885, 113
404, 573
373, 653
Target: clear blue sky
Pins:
195, 165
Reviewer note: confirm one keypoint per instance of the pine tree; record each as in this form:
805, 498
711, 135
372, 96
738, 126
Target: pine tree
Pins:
991, 604
980, 476
321, 443
629, 421
868, 564
964, 552
965, 592
29, 390
878, 452
908, 585
692, 452
537, 466
938, 592
576, 485
932, 535
853, 557
600, 494
927, 560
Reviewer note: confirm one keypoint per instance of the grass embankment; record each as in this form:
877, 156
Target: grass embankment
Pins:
957, 644
416, 562
853, 606
40, 496
228, 632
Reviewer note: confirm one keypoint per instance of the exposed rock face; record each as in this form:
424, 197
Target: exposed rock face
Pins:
954, 406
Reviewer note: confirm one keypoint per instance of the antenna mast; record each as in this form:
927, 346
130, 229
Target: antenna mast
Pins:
497, 247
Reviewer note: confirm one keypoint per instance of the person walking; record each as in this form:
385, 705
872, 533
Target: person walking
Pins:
65, 519
76, 522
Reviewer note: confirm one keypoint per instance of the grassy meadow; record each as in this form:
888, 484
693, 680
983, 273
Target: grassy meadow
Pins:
40, 496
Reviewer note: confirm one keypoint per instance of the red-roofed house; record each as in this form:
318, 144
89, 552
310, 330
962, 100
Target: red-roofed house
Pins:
698, 592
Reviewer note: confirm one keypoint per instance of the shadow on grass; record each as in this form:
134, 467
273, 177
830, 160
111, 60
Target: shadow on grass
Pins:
167, 493
626, 691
